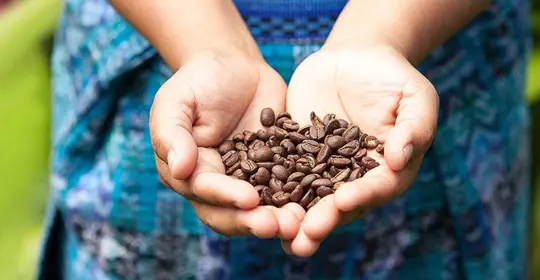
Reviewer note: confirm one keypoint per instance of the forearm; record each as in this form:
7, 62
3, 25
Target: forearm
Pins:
413, 27
180, 28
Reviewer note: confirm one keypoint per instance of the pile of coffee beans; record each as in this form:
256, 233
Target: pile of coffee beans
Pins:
288, 163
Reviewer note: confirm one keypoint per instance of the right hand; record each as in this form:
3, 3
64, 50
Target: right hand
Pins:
212, 97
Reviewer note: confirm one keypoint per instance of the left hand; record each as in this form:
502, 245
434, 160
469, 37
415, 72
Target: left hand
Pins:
377, 89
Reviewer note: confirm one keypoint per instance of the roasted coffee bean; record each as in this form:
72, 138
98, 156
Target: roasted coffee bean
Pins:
275, 185
238, 137
308, 197
343, 123
339, 131
303, 167
342, 175
280, 133
226, 146
380, 149
233, 168
290, 186
278, 159
326, 175
356, 165
315, 120
289, 146
283, 115
297, 137
230, 158
311, 146
238, 173
324, 191
281, 122
351, 133
296, 176
339, 161
324, 154
262, 154
349, 149
290, 165
293, 157
328, 117
316, 133
267, 196
290, 125
355, 174
279, 150
240, 146
313, 202
267, 164
369, 163
259, 188
280, 172
281, 198
252, 180
331, 126
297, 194
304, 130
248, 166
363, 139
333, 171
319, 168
262, 176
249, 136
335, 142
268, 117
337, 185
360, 154
321, 182
272, 141
311, 160
262, 135
256, 144
371, 142
299, 149
306, 181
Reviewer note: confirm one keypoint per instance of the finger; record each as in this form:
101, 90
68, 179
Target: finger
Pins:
296, 209
261, 221
415, 126
288, 223
321, 219
303, 246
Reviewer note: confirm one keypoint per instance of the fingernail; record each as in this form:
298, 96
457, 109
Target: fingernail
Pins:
171, 158
407, 153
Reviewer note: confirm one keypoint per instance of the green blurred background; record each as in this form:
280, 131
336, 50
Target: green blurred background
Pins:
25, 35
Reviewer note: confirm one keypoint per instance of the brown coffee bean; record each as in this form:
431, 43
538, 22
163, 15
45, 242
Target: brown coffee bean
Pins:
280, 133
256, 144
311, 160
249, 136
240, 146
230, 158
296, 194
278, 159
268, 117
280, 172
331, 126
313, 202
283, 115
315, 120
279, 150
311, 146
267, 196
289, 146
291, 125
275, 185
267, 164
248, 166
326, 175
339, 131
280, 122
304, 130
238, 137
308, 197
337, 185
233, 168
238, 173
328, 117
297, 137
296, 176
339, 161
356, 165
371, 142
369, 163
303, 167
321, 182
360, 154
290, 165
316, 133
324, 191
349, 149
259, 188
299, 149
342, 175
252, 180
262, 154
343, 123
272, 141
319, 168
262, 176
363, 139
262, 135
290, 186
324, 154
226, 146
355, 174
306, 181
281, 198
380, 149
333, 171
294, 157
352, 133
335, 142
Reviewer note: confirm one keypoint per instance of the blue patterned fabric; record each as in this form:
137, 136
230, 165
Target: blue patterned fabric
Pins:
466, 216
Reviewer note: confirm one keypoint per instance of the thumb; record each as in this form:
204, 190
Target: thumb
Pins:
415, 125
171, 118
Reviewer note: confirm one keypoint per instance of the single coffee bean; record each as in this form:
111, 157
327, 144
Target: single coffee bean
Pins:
355, 174
380, 149
326, 175
356, 165
363, 139
349, 149
275, 185
280, 122
262, 154
240, 146
252, 180
339, 131
321, 182
351, 133
316, 133
311, 146
280, 133
304, 130
294, 157
360, 154
249, 136
268, 117
281, 198
262, 176
296, 176
248, 166
283, 115
371, 142
324, 154
290, 186
296, 194
280, 172
319, 168
337, 185
343, 123
297, 137
233, 168
267, 196
306, 181
341, 175
324, 191
303, 167
311, 160
290, 165
226, 146
238, 137
331, 126
278, 159
299, 149
267, 164
289, 146
279, 150
328, 117
339, 161
308, 197
238, 173
272, 141
262, 135
230, 158
333, 171
313, 202
369, 163
315, 120
335, 142
291, 125
256, 144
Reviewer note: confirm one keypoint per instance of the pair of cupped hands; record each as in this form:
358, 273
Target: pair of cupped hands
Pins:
217, 94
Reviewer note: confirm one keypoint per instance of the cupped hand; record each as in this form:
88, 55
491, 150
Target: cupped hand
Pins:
377, 89
213, 96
